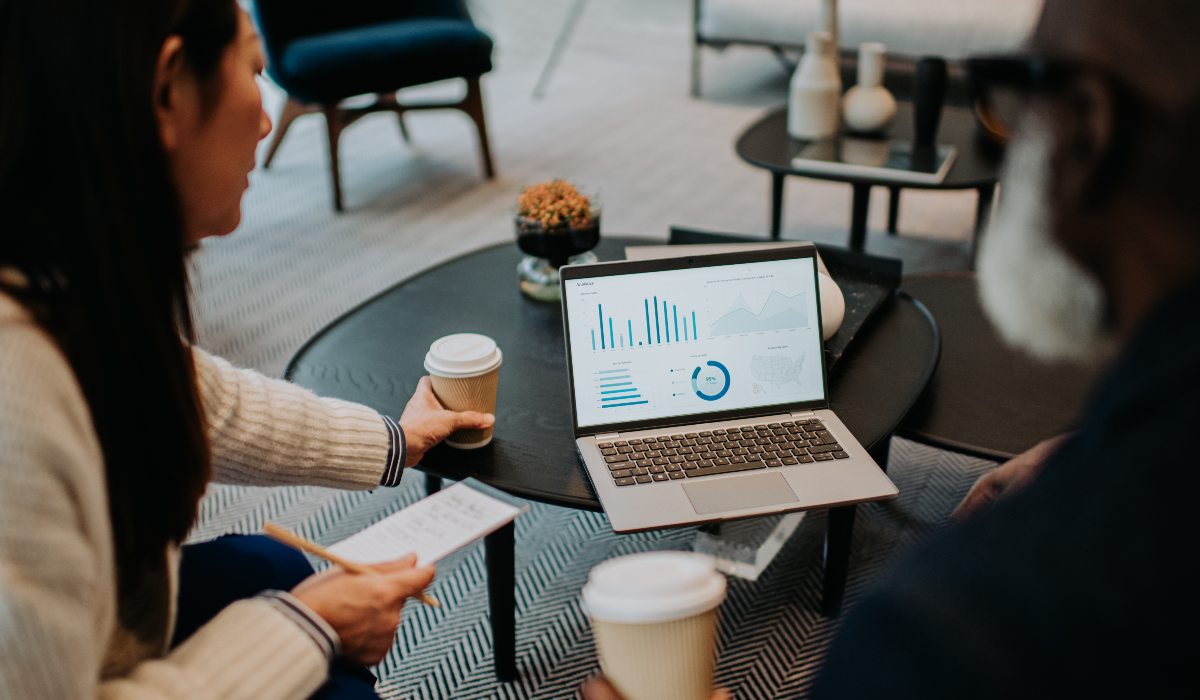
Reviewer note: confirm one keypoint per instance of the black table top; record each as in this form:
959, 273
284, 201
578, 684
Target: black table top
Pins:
374, 355
766, 144
986, 399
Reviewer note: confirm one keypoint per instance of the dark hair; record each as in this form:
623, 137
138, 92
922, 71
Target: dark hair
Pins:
93, 222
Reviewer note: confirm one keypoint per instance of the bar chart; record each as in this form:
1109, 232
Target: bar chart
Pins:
661, 322
616, 389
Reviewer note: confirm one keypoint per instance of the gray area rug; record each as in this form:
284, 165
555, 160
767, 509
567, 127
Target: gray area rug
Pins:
616, 118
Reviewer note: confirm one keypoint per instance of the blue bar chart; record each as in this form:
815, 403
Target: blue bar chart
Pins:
666, 323
616, 389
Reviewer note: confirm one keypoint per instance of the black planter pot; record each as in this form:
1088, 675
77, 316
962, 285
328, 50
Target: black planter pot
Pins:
559, 244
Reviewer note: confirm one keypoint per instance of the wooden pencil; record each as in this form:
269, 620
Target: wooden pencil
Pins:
291, 539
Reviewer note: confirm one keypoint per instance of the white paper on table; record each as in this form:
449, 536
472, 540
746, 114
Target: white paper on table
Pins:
433, 527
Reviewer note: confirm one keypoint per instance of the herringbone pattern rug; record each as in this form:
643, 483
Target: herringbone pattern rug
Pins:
772, 635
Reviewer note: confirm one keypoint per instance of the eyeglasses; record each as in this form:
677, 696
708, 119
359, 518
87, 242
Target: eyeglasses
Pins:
1002, 85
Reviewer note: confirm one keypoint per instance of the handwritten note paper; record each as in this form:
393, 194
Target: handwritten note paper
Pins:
432, 527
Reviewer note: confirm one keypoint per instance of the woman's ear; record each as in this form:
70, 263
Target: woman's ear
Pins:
169, 92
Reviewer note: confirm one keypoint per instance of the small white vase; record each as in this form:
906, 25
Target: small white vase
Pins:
814, 91
869, 106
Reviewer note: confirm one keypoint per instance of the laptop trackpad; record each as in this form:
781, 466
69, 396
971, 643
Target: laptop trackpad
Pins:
749, 491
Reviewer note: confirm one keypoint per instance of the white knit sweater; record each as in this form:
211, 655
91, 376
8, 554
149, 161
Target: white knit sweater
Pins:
59, 636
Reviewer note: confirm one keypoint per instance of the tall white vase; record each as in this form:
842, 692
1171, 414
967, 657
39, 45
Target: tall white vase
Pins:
827, 21
815, 90
869, 106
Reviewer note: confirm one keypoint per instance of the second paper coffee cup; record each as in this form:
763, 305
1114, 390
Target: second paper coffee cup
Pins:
465, 371
655, 619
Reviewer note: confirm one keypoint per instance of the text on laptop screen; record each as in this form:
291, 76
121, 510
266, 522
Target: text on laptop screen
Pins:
662, 344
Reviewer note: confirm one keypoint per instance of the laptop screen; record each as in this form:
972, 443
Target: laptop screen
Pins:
709, 338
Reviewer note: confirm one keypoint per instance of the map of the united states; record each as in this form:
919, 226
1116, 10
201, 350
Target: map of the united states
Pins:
776, 370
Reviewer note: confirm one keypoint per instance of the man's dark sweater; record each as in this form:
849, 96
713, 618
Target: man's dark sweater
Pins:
1085, 583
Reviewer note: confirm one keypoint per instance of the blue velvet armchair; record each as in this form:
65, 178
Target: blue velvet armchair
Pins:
322, 53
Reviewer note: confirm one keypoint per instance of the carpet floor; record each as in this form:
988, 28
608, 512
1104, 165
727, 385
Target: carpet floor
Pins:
616, 118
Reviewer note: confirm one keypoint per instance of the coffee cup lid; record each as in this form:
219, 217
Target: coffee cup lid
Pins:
653, 587
462, 355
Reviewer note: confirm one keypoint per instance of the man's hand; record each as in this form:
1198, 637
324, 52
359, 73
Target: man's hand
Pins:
426, 422
600, 689
364, 609
1006, 479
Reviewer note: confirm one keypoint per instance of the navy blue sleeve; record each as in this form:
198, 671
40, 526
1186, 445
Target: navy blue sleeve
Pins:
397, 452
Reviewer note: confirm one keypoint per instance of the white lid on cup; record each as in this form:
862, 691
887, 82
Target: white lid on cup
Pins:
462, 355
653, 587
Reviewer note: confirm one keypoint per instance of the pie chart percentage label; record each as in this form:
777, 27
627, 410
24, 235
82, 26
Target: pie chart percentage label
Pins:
710, 381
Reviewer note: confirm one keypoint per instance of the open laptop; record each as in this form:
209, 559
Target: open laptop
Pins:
698, 390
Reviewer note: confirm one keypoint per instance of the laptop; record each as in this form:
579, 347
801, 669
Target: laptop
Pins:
699, 390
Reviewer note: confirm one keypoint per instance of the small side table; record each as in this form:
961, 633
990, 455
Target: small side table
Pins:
766, 144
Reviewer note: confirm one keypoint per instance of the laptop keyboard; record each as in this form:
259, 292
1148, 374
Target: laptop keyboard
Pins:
708, 452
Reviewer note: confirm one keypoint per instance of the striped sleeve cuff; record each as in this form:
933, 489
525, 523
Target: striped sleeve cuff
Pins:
311, 623
393, 471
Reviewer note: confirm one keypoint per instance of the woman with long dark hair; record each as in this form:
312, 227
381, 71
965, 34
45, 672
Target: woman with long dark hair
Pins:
127, 132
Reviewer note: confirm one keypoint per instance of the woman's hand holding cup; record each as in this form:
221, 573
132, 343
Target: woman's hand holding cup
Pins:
426, 422
364, 609
464, 375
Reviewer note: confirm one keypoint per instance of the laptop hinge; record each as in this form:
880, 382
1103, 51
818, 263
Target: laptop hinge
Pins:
607, 436
803, 414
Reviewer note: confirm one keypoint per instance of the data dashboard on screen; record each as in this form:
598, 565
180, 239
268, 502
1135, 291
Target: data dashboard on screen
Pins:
662, 344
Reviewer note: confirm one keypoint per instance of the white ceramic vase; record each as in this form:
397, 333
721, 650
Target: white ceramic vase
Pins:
827, 21
815, 91
869, 106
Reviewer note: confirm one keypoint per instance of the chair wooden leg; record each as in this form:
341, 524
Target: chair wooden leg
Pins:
334, 124
473, 106
390, 101
291, 110
403, 128
694, 89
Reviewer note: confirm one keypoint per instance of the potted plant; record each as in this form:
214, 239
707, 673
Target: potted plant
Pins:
555, 224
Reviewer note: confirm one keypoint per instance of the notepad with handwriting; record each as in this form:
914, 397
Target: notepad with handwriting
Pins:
433, 527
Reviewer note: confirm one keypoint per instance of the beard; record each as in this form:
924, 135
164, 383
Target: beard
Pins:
1038, 297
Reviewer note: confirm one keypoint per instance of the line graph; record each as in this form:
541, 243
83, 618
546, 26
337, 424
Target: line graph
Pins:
778, 313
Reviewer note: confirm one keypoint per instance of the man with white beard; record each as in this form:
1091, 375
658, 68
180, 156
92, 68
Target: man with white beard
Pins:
1072, 572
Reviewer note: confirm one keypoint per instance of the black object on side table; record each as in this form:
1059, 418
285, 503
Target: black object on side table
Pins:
374, 353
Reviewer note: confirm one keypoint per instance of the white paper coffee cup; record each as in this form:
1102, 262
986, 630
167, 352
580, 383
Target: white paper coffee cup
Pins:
655, 619
464, 369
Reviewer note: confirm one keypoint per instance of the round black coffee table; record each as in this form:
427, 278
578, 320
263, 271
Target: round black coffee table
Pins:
986, 399
766, 144
374, 355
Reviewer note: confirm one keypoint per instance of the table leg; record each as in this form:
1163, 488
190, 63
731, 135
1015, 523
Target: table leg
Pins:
433, 484
838, 531
893, 224
499, 550
882, 452
983, 212
776, 204
858, 216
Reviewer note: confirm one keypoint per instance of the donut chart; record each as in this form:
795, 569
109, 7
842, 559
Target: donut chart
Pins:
716, 380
